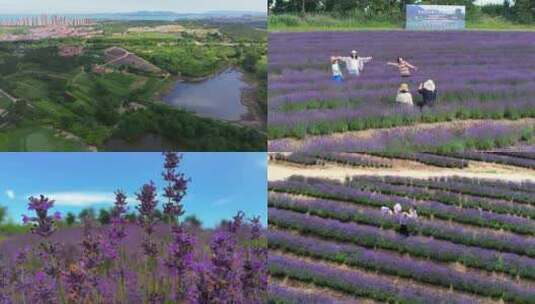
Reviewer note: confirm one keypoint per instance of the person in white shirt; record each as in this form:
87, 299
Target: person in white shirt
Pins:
404, 96
354, 63
397, 209
337, 72
412, 214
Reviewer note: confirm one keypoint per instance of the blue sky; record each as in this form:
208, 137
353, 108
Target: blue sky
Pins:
113, 6
222, 183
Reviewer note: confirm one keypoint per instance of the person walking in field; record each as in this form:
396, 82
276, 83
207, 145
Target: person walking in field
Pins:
404, 67
354, 63
413, 215
337, 72
397, 209
404, 96
428, 90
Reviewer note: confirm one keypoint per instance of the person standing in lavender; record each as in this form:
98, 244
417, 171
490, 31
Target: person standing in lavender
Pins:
404, 95
354, 63
404, 67
337, 72
428, 90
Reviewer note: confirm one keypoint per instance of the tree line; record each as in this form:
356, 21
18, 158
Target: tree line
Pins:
103, 216
521, 11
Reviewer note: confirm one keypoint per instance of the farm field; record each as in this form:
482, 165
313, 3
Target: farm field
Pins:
472, 241
95, 97
484, 85
35, 138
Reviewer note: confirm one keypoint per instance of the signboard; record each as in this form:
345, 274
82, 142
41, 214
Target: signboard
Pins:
435, 17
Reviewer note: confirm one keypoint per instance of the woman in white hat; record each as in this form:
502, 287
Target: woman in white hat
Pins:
404, 95
354, 63
428, 90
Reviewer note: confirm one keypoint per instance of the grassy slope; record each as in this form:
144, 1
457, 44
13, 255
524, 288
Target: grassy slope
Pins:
4, 102
35, 139
313, 23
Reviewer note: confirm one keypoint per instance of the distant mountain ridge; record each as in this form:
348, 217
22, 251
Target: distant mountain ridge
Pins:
154, 15
178, 15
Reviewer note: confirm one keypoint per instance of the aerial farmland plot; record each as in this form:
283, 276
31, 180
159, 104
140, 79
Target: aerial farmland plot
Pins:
116, 84
484, 82
463, 233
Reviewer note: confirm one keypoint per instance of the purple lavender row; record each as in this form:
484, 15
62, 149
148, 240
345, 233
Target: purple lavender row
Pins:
446, 197
382, 92
406, 267
477, 135
497, 158
355, 283
428, 159
304, 49
504, 242
379, 76
284, 295
353, 160
456, 185
287, 91
436, 250
296, 158
390, 114
309, 49
333, 190
524, 186
309, 159
526, 155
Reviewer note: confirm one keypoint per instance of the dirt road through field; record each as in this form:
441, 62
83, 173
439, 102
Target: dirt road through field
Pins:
281, 171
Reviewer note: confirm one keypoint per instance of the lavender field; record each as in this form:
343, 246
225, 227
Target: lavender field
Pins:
484, 77
473, 240
154, 257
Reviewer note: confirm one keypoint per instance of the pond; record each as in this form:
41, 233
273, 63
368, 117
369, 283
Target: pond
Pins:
217, 97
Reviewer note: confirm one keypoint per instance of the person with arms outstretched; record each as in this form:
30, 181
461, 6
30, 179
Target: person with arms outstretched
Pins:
404, 67
354, 63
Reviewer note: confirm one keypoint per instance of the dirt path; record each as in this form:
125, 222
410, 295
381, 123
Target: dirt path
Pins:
280, 171
297, 145
71, 136
13, 99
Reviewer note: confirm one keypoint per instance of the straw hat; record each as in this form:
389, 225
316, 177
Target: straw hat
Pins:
429, 85
354, 52
404, 87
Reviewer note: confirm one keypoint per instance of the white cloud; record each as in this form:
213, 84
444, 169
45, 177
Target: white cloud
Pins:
10, 194
260, 162
222, 201
80, 199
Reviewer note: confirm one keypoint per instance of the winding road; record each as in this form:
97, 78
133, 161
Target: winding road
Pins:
13, 99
